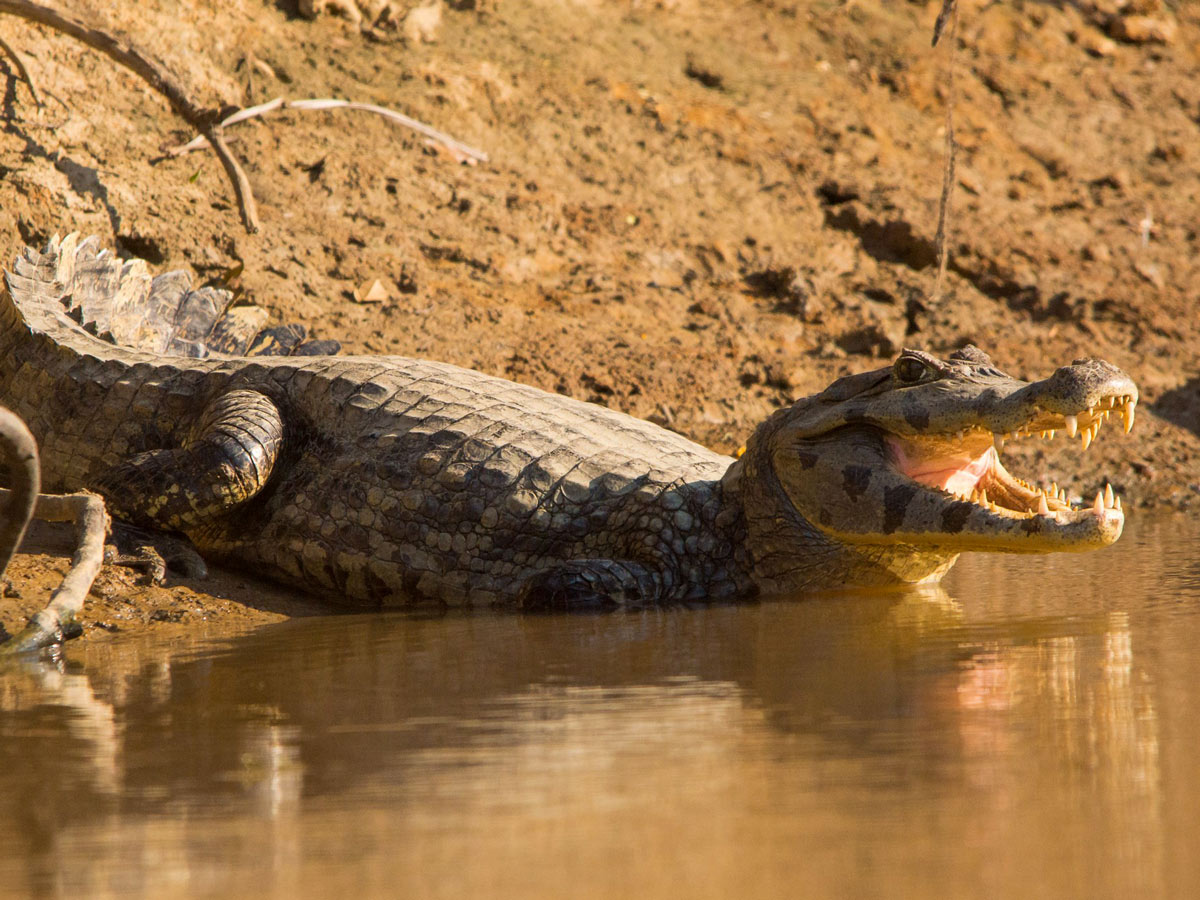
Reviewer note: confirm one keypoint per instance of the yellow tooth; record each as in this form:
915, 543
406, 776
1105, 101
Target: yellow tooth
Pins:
1043, 508
1098, 505
1127, 415
1108, 496
998, 441
983, 498
1117, 504
1072, 426
1051, 433
1086, 438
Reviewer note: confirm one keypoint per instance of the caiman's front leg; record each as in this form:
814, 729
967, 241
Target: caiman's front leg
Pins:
227, 461
586, 585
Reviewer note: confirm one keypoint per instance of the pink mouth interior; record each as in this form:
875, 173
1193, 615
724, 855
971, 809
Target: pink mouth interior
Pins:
956, 468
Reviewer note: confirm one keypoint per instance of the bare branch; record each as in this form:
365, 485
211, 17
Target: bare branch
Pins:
18, 454
20, 64
59, 619
156, 75
279, 103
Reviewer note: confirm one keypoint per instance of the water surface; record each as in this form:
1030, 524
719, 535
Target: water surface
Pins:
1031, 730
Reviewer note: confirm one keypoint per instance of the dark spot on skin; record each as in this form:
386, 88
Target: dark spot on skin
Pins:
807, 460
954, 517
855, 480
895, 505
824, 517
917, 418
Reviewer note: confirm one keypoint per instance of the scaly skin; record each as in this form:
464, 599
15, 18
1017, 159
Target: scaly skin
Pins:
385, 480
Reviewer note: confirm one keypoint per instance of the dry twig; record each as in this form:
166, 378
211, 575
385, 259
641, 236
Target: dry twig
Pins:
279, 103
156, 75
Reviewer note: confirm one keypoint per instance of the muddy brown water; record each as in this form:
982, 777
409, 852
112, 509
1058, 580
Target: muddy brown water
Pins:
1029, 730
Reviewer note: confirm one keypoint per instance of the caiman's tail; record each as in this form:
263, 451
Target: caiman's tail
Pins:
119, 301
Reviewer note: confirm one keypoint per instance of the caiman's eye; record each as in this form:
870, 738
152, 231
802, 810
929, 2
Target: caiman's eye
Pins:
909, 370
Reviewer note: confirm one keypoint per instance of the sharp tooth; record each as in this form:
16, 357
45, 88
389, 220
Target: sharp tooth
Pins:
1117, 504
1051, 433
998, 441
983, 498
1062, 495
1127, 415
1086, 438
1108, 496
1098, 505
1043, 508
1072, 426
1054, 489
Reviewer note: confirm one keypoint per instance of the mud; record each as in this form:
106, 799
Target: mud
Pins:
693, 212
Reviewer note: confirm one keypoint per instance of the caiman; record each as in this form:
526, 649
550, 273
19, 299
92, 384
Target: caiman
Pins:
386, 480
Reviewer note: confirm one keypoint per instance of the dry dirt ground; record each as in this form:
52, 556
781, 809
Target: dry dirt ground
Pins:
693, 211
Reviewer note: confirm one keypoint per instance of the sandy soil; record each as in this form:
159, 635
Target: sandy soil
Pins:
693, 212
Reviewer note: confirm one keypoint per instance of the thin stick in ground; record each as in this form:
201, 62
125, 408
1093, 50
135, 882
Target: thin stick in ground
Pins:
949, 9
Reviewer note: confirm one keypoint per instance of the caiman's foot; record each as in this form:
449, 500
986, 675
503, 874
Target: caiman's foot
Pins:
591, 585
154, 554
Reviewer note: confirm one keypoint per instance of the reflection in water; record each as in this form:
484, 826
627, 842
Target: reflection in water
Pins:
1010, 735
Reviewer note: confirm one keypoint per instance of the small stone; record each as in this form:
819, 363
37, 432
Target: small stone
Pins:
423, 23
1142, 30
371, 292
1096, 44
1152, 273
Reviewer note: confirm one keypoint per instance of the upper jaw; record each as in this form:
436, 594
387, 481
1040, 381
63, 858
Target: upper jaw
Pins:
1083, 422
1076, 399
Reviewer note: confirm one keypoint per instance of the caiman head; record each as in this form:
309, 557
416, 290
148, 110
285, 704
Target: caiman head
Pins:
885, 477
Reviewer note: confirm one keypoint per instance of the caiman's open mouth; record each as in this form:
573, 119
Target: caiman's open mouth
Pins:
966, 466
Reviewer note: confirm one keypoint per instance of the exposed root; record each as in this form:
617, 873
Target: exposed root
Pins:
156, 75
